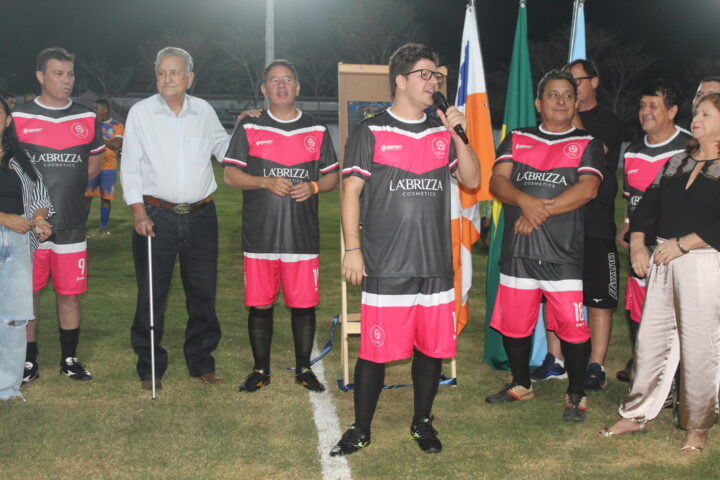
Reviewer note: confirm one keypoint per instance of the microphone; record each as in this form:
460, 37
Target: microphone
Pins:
441, 104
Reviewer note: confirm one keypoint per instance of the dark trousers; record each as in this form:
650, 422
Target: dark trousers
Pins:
194, 237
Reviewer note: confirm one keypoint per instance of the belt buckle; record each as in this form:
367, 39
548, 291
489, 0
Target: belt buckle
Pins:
182, 208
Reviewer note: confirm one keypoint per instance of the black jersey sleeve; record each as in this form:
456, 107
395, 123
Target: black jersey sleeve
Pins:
593, 160
359, 153
237, 152
328, 159
504, 151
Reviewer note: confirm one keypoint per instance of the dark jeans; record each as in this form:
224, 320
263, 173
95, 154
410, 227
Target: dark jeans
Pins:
194, 237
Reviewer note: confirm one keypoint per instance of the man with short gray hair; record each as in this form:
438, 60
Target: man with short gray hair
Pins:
167, 179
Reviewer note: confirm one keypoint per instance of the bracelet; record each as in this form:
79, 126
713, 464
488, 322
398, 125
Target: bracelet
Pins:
682, 249
627, 220
39, 217
351, 249
316, 187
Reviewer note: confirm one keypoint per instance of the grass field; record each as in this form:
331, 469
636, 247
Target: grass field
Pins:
109, 429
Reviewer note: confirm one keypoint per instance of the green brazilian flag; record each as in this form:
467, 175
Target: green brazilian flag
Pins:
519, 112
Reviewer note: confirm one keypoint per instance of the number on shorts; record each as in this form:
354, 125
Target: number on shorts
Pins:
81, 266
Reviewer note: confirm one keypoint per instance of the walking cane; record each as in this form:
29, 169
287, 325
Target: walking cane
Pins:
152, 317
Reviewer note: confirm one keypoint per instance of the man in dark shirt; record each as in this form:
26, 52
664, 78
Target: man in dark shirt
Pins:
396, 184
544, 176
277, 158
64, 142
644, 158
600, 269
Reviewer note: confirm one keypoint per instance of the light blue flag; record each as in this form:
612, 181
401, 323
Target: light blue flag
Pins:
577, 33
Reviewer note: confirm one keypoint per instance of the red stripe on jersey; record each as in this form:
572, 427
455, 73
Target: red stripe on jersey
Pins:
641, 170
542, 154
57, 135
285, 148
417, 153
330, 168
235, 161
590, 170
357, 169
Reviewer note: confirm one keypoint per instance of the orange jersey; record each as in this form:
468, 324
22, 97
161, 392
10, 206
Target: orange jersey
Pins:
111, 129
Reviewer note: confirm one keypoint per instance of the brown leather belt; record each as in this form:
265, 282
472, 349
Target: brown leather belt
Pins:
179, 208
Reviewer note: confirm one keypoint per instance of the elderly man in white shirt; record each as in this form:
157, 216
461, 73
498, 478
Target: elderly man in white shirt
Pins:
167, 180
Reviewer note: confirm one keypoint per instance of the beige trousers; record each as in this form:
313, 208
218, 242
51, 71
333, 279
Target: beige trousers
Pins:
680, 325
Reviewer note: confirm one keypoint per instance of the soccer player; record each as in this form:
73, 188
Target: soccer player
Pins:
600, 269
277, 159
644, 158
544, 176
103, 185
64, 142
397, 185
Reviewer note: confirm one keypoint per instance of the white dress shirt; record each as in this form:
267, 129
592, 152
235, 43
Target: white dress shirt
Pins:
168, 156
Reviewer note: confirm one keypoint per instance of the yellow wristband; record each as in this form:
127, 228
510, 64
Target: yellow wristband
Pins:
316, 187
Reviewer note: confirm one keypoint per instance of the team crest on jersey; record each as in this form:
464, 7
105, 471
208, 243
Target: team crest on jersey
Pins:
572, 150
440, 147
310, 144
377, 336
79, 130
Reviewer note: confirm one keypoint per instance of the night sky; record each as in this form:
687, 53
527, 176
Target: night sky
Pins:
675, 30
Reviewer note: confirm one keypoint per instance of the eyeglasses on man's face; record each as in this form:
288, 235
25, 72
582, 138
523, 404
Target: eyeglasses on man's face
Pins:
427, 74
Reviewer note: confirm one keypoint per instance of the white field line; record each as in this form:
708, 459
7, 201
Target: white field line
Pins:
328, 427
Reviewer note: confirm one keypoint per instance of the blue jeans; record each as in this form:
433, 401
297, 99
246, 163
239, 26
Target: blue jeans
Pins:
194, 238
15, 306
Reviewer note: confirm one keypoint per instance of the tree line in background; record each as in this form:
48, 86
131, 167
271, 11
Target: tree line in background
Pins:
230, 62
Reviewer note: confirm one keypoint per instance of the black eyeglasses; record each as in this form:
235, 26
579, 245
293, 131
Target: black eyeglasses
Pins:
426, 74
580, 79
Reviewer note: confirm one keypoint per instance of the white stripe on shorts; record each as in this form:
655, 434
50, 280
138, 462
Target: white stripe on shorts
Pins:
572, 285
285, 257
65, 248
423, 300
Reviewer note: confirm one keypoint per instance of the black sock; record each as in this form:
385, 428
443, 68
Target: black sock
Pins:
518, 353
369, 379
426, 377
576, 361
260, 330
303, 328
69, 342
31, 353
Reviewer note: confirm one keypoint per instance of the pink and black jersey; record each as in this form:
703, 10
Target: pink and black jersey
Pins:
643, 162
298, 150
545, 165
405, 204
59, 142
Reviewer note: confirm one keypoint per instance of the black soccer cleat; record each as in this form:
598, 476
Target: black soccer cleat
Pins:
351, 441
30, 372
425, 435
255, 381
307, 379
70, 367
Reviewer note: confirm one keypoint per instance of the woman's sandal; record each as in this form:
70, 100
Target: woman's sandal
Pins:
690, 448
607, 433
